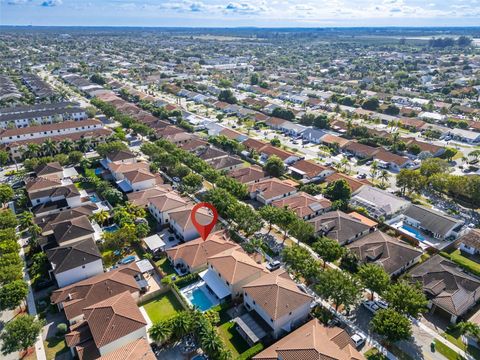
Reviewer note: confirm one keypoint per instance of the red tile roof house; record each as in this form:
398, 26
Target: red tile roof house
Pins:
287, 156
107, 326
267, 191
393, 161
73, 298
278, 301
182, 225
192, 256
304, 205
248, 175
309, 171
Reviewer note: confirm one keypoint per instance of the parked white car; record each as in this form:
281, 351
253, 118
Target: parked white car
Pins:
358, 339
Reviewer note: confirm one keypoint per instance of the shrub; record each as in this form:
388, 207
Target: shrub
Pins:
61, 329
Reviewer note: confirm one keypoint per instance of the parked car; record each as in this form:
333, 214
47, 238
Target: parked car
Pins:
274, 265
371, 306
362, 176
176, 179
358, 339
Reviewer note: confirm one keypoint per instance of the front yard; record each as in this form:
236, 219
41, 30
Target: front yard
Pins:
163, 307
56, 347
455, 338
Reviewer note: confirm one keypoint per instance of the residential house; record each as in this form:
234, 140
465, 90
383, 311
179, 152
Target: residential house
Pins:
228, 163
470, 242
160, 206
393, 255
340, 226
334, 141
266, 191
392, 161
286, 156
75, 262
137, 349
449, 289
379, 203
306, 206
313, 135
72, 299
432, 222
355, 184
248, 175
278, 301
181, 222
192, 256
360, 150
142, 197
229, 271
49, 190
107, 325
466, 136
313, 341
308, 171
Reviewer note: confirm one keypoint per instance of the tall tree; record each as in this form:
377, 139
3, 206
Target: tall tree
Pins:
406, 298
328, 249
338, 287
13, 294
6, 193
274, 166
374, 278
20, 333
392, 325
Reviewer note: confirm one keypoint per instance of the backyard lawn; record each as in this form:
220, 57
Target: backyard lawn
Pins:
166, 267
54, 347
465, 262
235, 342
163, 307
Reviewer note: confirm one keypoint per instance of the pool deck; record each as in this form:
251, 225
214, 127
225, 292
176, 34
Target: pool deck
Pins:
201, 286
424, 242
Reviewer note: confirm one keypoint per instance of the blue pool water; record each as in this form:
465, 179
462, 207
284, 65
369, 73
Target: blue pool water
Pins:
200, 299
111, 228
413, 231
98, 171
94, 198
199, 357
127, 260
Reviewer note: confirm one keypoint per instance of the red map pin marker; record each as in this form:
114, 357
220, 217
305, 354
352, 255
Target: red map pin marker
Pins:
204, 230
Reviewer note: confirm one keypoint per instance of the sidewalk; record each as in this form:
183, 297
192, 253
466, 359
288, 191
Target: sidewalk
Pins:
32, 310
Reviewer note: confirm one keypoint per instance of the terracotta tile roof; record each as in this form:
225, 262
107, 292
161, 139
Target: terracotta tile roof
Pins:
312, 341
270, 150
277, 294
248, 174
48, 169
270, 188
169, 201
123, 168
431, 148
235, 265
47, 222
90, 291
303, 204
309, 168
390, 157
113, 318
253, 144
119, 155
49, 127
182, 217
40, 183
355, 184
196, 252
332, 139
357, 148
137, 176
138, 349
193, 144
141, 198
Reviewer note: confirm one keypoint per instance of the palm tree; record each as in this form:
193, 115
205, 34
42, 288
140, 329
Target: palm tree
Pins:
83, 144
161, 331
181, 324
395, 137
49, 147
26, 220
374, 170
469, 328
345, 164
210, 341
66, 146
384, 176
31, 150
101, 217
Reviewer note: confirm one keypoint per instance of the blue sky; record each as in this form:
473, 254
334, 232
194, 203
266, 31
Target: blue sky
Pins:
225, 13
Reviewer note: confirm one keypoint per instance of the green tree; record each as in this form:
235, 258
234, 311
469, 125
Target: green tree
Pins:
275, 142
270, 214
254, 79
274, 166
7, 219
449, 153
247, 219
161, 331
4, 156
13, 294
469, 328
192, 182
6, 193
338, 287
227, 96
371, 104
374, 278
338, 190
433, 166
74, 157
406, 298
20, 333
392, 325
301, 230
329, 250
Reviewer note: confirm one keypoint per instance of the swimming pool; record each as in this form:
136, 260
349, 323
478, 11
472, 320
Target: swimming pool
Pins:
111, 228
94, 198
411, 230
196, 294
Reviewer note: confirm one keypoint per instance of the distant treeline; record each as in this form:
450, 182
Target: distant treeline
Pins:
462, 41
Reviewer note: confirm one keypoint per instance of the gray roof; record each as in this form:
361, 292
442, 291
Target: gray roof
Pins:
471, 239
313, 134
432, 220
338, 225
64, 258
447, 285
40, 113
380, 199
384, 250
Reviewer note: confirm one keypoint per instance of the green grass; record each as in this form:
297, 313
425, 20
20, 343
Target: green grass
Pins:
163, 307
446, 351
166, 267
234, 342
465, 262
374, 354
54, 347
455, 338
